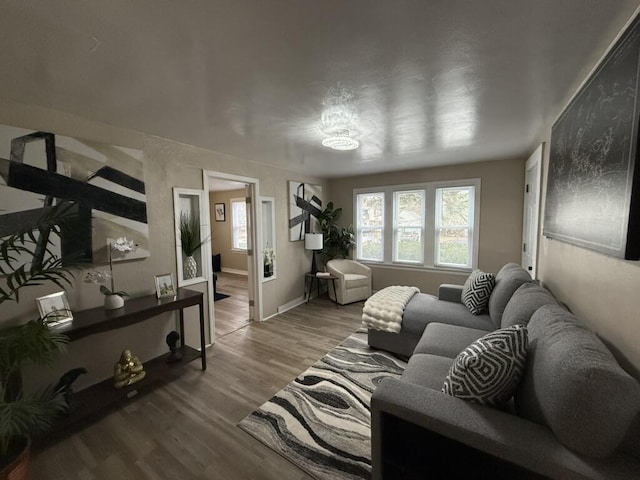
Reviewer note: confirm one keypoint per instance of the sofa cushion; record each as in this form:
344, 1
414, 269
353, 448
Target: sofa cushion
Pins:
528, 298
355, 280
508, 279
427, 370
573, 385
429, 311
476, 291
488, 371
447, 340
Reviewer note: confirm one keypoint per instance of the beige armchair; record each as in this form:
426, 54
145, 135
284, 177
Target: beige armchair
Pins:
353, 283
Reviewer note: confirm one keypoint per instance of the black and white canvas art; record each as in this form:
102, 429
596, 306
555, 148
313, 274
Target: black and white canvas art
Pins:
594, 185
105, 181
305, 206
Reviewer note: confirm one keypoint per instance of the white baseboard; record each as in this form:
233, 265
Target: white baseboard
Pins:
292, 304
236, 272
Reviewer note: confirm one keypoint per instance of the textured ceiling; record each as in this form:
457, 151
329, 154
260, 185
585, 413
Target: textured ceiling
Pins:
433, 82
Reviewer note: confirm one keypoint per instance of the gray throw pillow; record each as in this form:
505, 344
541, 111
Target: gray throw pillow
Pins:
477, 290
488, 371
573, 385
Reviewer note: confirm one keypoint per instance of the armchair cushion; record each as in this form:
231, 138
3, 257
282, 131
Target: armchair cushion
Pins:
353, 281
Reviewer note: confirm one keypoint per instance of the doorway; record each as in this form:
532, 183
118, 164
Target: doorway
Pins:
232, 294
531, 220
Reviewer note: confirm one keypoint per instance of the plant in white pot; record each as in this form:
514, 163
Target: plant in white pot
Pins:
113, 298
190, 241
23, 414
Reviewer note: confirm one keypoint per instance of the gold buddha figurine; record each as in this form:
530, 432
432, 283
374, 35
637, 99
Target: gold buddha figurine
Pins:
128, 370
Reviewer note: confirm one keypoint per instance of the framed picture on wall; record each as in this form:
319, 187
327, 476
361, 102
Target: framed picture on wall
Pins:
54, 308
219, 210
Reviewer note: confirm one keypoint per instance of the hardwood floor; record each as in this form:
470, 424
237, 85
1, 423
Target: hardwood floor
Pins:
232, 312
187, 428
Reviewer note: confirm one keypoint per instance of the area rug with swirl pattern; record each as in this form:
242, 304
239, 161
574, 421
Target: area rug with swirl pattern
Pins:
321, 421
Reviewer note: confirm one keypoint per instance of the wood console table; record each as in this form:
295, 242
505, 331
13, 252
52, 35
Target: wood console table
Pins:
90, 403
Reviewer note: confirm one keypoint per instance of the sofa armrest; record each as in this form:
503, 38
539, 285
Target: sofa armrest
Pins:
492, 431
450, 293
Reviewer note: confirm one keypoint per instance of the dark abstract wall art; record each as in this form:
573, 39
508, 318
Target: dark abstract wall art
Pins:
106, 182
593, 188
305, 206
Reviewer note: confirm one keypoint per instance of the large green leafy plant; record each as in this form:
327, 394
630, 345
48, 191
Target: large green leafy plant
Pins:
338, 241
24, 415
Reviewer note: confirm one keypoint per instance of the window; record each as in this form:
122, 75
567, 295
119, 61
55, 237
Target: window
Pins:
431, 225
369, 236
408, 226
239, 223
454, 226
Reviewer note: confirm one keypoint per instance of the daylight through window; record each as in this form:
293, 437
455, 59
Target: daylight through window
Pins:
430, 225
239, 222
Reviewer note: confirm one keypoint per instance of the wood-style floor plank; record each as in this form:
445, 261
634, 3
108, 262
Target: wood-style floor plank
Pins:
187, 428
232, 312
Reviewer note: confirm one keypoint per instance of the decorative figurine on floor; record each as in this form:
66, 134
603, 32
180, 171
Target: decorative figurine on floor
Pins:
128, 370
65, 382
172, 340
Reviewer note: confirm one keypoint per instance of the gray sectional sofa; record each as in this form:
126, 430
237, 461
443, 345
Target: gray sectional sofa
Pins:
573, 416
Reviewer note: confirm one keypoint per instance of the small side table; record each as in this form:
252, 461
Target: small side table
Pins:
312, 277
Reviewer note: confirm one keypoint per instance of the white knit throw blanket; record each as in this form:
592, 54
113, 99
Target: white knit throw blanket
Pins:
383, 310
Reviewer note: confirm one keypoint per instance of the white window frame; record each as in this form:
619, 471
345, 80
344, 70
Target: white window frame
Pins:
430, 239
361, 228
396, 210
438, 227
234, 246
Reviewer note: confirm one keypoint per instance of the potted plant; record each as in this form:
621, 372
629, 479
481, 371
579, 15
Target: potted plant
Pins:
190, 241
24, 415
338, 241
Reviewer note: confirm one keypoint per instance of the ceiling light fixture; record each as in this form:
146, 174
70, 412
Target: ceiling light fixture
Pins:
339, 118
341, 142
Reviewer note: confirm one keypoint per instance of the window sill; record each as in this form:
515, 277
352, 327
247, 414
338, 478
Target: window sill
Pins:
407, 266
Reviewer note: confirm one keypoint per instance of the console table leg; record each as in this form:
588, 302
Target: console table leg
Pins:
203, 351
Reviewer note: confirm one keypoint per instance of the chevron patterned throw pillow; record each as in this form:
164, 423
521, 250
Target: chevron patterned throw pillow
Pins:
476, 291
488, 371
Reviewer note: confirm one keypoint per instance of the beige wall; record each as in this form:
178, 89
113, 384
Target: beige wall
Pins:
167, 164
221, 232
501, 203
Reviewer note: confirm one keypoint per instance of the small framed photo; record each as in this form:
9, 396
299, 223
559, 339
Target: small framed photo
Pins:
165, 285
54, 308
219, 209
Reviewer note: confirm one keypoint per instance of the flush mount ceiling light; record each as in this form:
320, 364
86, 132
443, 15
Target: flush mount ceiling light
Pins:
341, 142
339, 119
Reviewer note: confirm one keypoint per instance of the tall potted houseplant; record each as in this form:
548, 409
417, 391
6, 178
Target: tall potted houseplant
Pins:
338, 241
190, 241
26, 414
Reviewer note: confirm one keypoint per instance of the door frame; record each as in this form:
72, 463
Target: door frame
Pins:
534, 162
252, 274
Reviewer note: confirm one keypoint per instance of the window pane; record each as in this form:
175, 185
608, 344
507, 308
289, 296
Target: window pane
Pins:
239, 219
371, 209
409, 226
370, 244
454, 224
370, 226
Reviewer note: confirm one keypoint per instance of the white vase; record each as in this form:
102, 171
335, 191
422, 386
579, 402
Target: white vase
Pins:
112, 302
190, 267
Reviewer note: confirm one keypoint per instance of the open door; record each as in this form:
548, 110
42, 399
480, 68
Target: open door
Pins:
251, 253
531, 220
